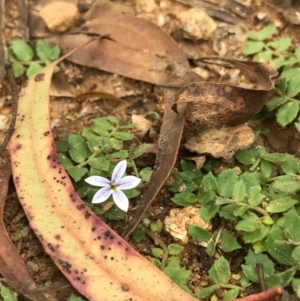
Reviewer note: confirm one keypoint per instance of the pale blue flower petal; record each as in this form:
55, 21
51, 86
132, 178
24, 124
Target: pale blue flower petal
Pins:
118, 172
102, 195
98, 181
128, 182
120, 200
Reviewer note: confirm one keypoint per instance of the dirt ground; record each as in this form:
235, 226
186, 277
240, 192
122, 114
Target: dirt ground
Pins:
70, 114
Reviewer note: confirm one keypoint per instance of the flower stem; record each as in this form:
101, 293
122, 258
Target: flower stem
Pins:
94, 155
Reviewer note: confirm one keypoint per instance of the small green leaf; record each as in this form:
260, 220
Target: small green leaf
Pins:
256, 235
246, 156
7, 294
289, 166
138, 235
99, 163
280, 62
62, 145
123, 136
287, 74
297, 126
157, 252
199, 234
208, 211
205, 197
211, 249
282, 279
178, 274
266, 168
103, 123
184, 199
255, 195
251, 179
77, 173
209, 182
140, 150
78, 149
155, 262
266, 32
220, 271
293, 86
229, 242
252, 35
252, 259
122, 154
128, 126
145, 174
264, 56
18, 69
287, 113
275, 102
278, 247
226, 181
296, 254
227, 211
33, 69
267, 220
187, 165
248, 224
259, 247
238, 192
275, 157
252, 47
231, 294
207, 291
43, 50
281, 45
297, 52
76, 298
22, 50
281, 204
296, 286
65, 161
54, 53
175, 249
291, 223
288, 184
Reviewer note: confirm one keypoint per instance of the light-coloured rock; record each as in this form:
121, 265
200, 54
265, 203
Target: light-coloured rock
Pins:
59, 16
196, 24
143, 124
147, 6
178, 220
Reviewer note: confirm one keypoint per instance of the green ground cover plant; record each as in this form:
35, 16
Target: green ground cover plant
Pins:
285, 58
26, 60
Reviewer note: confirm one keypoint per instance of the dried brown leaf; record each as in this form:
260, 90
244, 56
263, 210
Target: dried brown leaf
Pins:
216, 104
136, 48
221, 142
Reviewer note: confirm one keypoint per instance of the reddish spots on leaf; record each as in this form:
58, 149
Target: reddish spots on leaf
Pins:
125, 287
81, 206
57, 236
87, 215
46, 133
16, 147
39, 77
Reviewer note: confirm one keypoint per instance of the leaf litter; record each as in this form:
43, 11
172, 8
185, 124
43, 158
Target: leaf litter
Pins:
170, 78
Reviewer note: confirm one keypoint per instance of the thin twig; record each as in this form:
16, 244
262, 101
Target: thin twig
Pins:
261, 278
14, 100
159, 242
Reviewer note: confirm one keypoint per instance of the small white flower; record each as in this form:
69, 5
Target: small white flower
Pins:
114, 187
